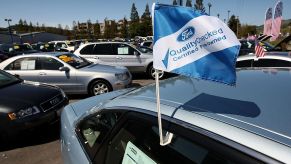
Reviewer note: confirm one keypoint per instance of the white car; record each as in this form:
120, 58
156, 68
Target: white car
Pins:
119, 54
67, 45
271, 59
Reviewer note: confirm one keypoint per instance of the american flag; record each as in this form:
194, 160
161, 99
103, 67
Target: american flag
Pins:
259, 50
276, 26
268, 22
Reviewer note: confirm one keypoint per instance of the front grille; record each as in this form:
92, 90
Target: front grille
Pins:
49, 104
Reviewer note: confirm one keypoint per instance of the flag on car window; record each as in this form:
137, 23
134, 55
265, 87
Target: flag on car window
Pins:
259, 49
191, 43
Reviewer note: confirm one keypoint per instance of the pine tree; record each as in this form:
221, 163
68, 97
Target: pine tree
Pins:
234, 24
97, 32
188, 3
145, 28
146, 14
175, 2
134, 14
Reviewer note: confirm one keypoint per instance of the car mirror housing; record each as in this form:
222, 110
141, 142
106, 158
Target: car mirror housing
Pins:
66, 69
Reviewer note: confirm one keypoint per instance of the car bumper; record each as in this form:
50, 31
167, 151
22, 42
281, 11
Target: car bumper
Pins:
15, 126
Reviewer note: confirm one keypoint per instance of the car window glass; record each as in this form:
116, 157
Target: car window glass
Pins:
61, 45
123, 49
48, 63
87, 49
102, 49
271, 63
28, 63
244, 63
144, 135
94, 129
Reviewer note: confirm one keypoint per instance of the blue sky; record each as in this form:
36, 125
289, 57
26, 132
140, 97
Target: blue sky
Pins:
64, 12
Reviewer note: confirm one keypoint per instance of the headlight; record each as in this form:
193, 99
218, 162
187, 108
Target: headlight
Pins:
121, 76
23, 113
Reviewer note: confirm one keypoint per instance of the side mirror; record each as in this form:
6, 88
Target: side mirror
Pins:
136, 53
66, 69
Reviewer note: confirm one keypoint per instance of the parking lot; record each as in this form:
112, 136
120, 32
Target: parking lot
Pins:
42, 145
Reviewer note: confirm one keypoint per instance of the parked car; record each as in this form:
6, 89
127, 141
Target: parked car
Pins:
271, 59
247, 47
121, 54
44, 47
65, 46
11, 50
73, 74
148, 43
25, 104
208, 122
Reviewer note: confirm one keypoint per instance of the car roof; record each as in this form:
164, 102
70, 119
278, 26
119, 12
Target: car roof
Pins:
259, 103
44, 53
268, 55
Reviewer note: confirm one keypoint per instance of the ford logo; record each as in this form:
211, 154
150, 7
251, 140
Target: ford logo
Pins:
186, 34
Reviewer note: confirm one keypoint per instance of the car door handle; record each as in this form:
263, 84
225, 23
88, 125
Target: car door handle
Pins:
42, 73
95, 57
120, 58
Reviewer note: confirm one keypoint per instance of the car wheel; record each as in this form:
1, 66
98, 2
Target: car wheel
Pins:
99, 87
151, 72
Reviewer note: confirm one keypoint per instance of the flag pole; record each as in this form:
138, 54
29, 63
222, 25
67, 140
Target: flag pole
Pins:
164, 140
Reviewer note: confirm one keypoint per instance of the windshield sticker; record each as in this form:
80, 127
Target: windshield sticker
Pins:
122, 50
65, 58
28, 65
134, 155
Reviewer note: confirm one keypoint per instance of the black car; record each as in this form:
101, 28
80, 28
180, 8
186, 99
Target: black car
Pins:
24, 105
16, 49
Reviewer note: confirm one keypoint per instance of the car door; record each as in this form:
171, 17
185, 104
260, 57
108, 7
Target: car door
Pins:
103, 54
49, 73
129, 57
27, 68
135, 139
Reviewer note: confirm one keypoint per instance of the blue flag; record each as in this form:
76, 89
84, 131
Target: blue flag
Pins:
194, 44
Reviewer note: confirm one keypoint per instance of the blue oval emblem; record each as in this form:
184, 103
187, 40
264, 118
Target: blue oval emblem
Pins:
186, 34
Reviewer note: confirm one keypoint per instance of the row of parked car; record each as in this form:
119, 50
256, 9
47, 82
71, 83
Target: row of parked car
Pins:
208, 122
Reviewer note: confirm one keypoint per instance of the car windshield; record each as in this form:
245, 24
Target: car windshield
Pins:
74, 60
7, 79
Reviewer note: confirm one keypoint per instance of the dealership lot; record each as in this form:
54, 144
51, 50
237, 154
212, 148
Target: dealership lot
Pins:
42, 145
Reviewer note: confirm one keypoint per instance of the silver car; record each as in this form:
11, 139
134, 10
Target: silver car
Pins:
271, 59
73, 74
210, 123
136, 59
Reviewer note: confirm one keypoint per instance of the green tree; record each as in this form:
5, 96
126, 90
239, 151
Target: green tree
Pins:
134, 24
124, 28
97, 33
145, 27
234, 25
134, 14
199, 5
247, 30
175, 2
188, 3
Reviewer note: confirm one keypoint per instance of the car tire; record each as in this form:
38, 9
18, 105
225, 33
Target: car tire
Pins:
99, 87
151, 72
